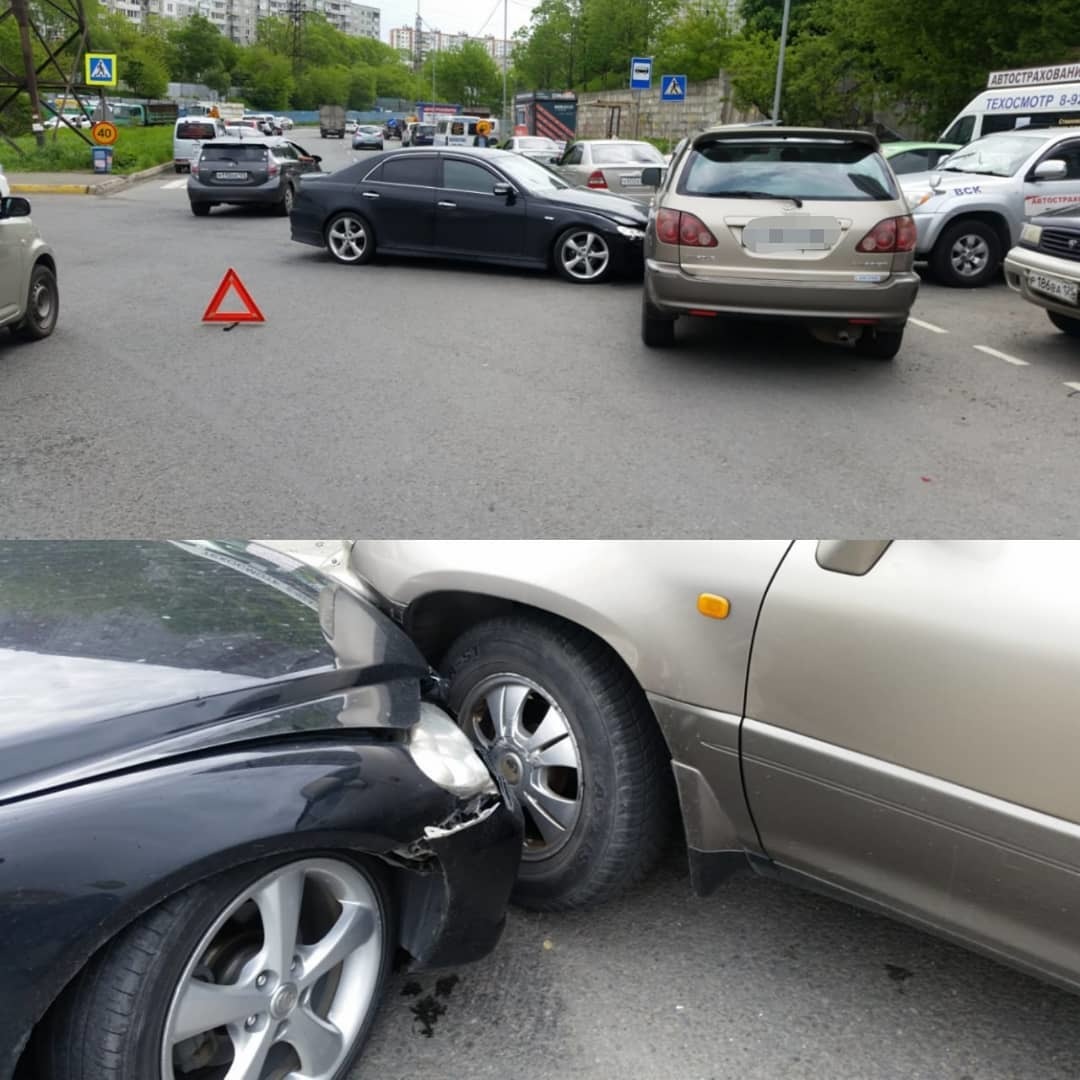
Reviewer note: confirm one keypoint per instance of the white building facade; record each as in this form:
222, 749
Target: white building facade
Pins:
403, 38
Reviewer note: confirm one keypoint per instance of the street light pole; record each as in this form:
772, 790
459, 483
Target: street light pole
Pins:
505, 60
780, 63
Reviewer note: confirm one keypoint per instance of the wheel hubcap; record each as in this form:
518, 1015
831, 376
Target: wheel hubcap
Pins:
530, 746
585, 255
348, 239
281, 984
41, 302
970, 254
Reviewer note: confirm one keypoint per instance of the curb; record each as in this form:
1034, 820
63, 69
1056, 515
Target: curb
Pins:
105, 187
50, 189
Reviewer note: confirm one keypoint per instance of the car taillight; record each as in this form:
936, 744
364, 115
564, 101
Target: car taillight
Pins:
193, 166
891, 235
596, 179
273, 169
677, 227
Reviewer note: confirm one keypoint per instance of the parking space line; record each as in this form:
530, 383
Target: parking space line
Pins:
927, 325
173, 184
1074, 386
1002, 356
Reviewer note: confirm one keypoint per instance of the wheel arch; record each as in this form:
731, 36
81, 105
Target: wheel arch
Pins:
994, 218
604, 227
46, 259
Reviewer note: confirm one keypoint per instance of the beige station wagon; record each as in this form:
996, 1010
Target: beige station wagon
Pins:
892, 723
29, 298
799, 224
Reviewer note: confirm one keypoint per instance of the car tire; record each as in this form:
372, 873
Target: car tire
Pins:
200, 209
288, 197
967, 255
178, 168
583, 255
116, 1018
880, 344
599, 725
343, 227
657, 331
42, 305
1067, 324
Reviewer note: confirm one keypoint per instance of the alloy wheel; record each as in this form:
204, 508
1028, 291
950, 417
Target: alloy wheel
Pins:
348, 239
969, 255
584, 255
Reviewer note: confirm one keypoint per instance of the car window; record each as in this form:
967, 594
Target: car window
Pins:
534, 144
1070, 154
285, 153
574, 155
961, 131
465, 176
233, 153
626, 154
457, 128
995, 155
195, 129
910, 161
409, 170
531, 175
787, 168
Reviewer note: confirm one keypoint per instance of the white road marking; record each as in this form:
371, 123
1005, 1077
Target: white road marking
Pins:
173, 184
927, 325
1074, 386
1002, 356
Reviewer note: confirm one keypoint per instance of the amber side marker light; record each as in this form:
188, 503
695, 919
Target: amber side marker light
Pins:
715, 607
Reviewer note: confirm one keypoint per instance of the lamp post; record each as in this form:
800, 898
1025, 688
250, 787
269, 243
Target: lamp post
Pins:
505, 60
780, 63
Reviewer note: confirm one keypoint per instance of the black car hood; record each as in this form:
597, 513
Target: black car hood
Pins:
110, 647
612, 206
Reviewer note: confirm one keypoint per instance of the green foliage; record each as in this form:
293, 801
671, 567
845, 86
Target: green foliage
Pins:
697, 43
137, 148
467, 76
265, 78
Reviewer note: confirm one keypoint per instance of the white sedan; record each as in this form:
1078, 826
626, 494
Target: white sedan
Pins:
610, 165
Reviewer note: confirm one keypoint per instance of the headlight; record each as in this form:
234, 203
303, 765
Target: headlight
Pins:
443, 753
1031, 234
631, 233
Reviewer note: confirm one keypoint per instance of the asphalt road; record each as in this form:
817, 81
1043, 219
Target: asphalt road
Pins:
425, 399
758, 982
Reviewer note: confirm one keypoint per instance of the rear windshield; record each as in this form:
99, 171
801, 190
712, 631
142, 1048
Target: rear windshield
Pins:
195, 130
234, 153
787, 168
626, 153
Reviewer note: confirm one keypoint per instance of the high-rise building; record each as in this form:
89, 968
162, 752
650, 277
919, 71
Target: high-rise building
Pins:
405, 40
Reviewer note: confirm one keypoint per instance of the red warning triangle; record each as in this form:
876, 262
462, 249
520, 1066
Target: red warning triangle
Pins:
251, 312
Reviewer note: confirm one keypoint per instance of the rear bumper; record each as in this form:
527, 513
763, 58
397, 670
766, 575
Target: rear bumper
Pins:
674, 292
264, 194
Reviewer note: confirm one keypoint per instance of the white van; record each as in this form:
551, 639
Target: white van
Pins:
189, 134
1027, 97
461, 130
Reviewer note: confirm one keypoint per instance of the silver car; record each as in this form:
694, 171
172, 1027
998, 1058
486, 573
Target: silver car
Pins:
614, 165
888, 722
29, 297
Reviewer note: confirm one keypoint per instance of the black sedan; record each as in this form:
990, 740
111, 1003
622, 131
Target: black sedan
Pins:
226, 806
464, 203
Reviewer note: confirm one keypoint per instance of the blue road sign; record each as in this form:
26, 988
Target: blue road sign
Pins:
641, 73
673, 88
100, 69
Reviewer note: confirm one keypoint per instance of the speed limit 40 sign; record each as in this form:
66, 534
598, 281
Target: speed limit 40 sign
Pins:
104, 133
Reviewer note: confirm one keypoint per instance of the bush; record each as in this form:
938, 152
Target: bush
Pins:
136, 149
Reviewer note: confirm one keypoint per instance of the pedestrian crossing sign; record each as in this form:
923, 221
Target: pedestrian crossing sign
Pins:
100, 69
673, 88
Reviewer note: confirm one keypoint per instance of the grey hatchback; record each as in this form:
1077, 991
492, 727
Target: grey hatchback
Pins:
245, 172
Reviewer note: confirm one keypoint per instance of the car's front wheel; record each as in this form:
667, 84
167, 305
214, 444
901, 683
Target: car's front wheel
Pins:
562, 723
583, 255
1067, 324
349, 239
967, 254
271, 970
42, 305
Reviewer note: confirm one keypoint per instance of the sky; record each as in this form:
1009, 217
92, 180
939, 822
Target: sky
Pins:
476, 17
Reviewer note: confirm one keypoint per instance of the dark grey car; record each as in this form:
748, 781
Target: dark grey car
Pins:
261, 172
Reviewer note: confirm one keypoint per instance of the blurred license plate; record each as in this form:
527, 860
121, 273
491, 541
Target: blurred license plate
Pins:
792, 233
1055, 287
231, 175
631, 181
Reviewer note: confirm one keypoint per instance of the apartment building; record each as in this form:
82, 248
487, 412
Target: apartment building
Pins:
403, 38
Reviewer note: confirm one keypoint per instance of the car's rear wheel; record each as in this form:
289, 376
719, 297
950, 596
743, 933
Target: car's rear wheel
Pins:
42, 305
288, 197
200, 209
967, 255
583, 255
349, 239
562, 722
880, 344
1067, 324
657, 330
270, 970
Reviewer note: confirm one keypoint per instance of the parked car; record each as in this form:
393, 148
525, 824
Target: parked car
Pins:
859, 717
367, 137
284, 123
332, 122
970, 211
189, 134
913, 157
226, 803
610, 165
29, 296
795, 224
350, 127
536, 147
476, 205
69, 120
419, 135
246, 172
1045, 266
5, 187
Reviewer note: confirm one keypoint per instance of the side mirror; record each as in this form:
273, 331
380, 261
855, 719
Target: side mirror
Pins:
14, 206
503, 189
1054, 169
650, 177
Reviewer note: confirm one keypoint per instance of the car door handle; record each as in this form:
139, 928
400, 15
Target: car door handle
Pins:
370, 194
449, 205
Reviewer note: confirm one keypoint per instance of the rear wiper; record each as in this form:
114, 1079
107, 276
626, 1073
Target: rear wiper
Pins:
755, 195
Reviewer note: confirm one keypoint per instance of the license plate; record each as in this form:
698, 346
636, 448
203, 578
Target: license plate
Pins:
1055, 287
631, 181
231, 175
793, 233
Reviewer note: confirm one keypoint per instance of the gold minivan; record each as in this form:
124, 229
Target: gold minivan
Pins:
801, 224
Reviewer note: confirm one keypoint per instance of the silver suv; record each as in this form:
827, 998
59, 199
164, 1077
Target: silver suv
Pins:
29, 298
781, 223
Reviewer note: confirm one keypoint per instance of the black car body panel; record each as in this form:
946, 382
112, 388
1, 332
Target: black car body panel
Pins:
429, 218
104, 813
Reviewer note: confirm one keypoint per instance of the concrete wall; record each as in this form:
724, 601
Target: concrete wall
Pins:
643, 115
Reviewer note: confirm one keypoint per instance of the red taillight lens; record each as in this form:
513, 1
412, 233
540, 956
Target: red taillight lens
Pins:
675, 227
596, 180
193, 166
273, 169
891, 235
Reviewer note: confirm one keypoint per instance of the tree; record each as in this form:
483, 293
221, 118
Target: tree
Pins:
467, 76
697, 43
197, 47
265, 77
